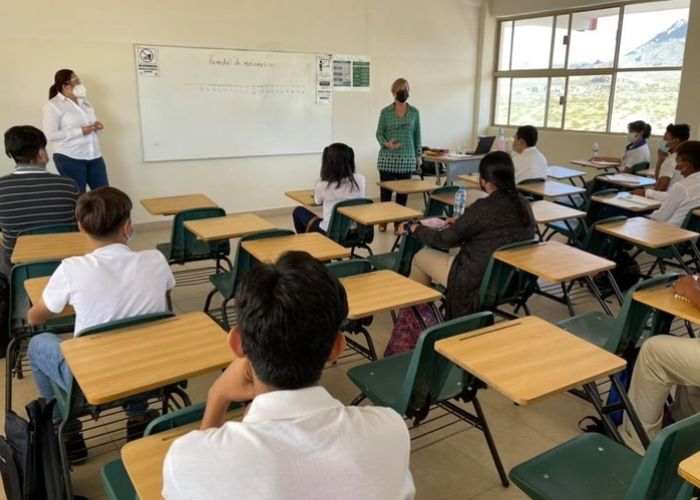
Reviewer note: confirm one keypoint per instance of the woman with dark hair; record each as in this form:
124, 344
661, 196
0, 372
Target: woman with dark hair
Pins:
338, 182
502, 217
71, 126
637, 149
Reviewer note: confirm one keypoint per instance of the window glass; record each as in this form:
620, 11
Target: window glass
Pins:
587, 103
593, 38
532, 39
527, 106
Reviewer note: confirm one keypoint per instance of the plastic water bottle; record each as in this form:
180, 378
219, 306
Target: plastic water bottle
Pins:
500, 141
595, 149
460, 202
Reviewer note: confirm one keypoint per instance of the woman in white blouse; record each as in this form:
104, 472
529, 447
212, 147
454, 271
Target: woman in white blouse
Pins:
71, 126
637, 150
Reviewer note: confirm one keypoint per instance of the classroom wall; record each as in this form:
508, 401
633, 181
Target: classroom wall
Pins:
560, 146
433, 44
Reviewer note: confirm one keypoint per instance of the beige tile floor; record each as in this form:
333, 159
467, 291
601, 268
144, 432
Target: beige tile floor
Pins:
453, 463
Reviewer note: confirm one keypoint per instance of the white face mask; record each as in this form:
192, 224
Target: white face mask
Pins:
631, 136
131, 235
80, 91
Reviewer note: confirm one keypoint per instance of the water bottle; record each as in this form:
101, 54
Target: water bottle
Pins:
500, 141
595, 149
460, 202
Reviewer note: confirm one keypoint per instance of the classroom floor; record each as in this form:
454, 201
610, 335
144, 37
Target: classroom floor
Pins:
453, 462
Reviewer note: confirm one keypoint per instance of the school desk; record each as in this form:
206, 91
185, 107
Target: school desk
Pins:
598, 165
379, 213
471, 179
631, 202
454, 165
550, 189
229, 226
170, 205
133, 360
627, 181
143, 458
689, 469
268, 250
409, 186
558, 263
663, 298
35, 288
562, 173
303, 196
647, 233
529, 359
54, 246
446, 198
546, 212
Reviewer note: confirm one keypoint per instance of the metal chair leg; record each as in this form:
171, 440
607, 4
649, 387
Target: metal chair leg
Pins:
65, 464
490, 442
207, 302
9, 363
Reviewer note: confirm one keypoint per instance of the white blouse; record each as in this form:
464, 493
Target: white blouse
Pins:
63, 122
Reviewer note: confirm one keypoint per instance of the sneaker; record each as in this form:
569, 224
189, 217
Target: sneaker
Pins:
76, 448
136, 425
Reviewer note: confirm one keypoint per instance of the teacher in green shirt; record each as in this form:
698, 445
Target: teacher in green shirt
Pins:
398, 133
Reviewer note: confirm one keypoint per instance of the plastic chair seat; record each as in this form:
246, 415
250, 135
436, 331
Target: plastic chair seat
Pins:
166, 249
587, 467
222, 282
595, 327
116, 481
384, 260
574, 229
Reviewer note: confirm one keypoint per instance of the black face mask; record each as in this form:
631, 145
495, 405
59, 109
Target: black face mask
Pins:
402, 95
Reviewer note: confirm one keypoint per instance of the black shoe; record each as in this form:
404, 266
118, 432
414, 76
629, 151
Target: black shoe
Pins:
76, 448
135, 426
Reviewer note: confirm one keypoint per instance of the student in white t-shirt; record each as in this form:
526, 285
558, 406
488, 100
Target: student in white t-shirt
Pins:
667, 174
528, 161
295, 440
338, 182
685, 194
637, 149
108, 284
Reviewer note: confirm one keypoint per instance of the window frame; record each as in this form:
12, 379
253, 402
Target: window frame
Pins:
566, 72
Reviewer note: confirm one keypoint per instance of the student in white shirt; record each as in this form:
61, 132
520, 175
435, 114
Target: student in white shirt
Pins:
637, 149
338, 182
108, 284
684, 195
71, 127
667, 174
296, 440
529, 162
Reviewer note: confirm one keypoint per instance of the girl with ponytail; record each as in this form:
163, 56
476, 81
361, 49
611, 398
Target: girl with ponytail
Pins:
502, 217
636, 152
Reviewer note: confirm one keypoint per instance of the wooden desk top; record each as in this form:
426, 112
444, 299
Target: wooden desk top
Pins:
546, 211
143, 458
470, 178
647, 233
550, 189
627, 180
230, 226
451, 158
35, 288
554, 261
664, 299
557, 172
170, 205
689, 469
408, 186
529, 359
303, 196
320, 247
379, 213
112, 365
633, 202
448, 198
55, 246
601, 165
380, 291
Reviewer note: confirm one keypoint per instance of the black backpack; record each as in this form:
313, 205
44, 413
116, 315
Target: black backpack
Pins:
30, 461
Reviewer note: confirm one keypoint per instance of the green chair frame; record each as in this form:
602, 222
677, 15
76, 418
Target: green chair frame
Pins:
594, 466
347, 232
415, 381
226, 282
436, 208
399, 261
575, 230
71, 227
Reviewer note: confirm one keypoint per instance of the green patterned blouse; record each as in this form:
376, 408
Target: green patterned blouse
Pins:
406, 131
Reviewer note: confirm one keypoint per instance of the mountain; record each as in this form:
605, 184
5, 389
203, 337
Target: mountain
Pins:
665, 48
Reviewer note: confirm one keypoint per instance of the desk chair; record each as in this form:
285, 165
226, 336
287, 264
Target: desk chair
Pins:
436, 208
343, 269
116, 480
534, 180
73, 405
575, 230
414, 382
348, 233
50, 229
639, 166
399, 261
184, 246
593, 466
226, 282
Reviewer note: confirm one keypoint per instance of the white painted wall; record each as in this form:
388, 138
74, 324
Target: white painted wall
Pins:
433, 44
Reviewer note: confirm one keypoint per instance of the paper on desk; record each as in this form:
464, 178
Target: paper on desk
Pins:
629, 178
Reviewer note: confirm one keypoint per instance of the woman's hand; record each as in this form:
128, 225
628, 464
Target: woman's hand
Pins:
392, 144
88, 129
98, 125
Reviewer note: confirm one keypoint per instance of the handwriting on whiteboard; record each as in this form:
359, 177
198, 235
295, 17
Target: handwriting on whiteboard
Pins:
229, 61
248, 89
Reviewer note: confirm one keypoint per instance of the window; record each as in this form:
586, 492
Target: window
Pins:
592, 70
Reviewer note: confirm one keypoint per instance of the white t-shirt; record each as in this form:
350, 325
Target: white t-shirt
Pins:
329, 194
634, 156
530, 164
295, 444
108, 284
667, 169
682, 197
63, 125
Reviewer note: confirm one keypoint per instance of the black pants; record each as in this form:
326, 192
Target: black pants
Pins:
385, 194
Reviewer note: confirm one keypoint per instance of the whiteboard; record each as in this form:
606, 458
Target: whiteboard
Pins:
219, 103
